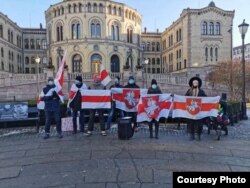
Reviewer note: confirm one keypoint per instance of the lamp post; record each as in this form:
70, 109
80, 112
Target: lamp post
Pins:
130, 62
243, 30
37, 60
59, 52
146, 67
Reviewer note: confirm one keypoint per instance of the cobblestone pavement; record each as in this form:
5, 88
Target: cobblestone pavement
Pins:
28, 161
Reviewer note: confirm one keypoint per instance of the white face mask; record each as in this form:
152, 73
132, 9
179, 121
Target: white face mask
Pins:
154, 86
131, 81
51, 83
77, 82
116, 81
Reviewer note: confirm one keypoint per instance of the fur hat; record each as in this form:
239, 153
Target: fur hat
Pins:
79, 78
195, 78
153, 82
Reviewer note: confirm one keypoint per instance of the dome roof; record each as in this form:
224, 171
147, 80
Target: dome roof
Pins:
211, 4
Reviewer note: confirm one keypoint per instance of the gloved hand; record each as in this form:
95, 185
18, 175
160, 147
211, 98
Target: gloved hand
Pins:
54, 95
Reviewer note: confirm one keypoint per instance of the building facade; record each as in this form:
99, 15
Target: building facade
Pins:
237, 52
20, 46
198, 40
108, 32
94, 32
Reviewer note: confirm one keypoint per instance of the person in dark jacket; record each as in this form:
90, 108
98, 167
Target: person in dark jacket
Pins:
132, 84
195, 90
76, 104
113, 110
96, 86
52, 107
154, 89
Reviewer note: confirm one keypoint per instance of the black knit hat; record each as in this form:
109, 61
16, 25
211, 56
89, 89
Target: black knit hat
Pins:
195, 78
50, 79
131, 77
153, 82
79, 78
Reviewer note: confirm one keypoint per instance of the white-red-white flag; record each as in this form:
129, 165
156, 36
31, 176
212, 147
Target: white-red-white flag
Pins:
127, 99
105, 78
60, 78
96, 99
40, 103
195, 107
154, 107
73, 91
58, 83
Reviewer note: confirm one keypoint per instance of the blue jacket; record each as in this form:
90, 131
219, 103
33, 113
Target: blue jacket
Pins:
52, 103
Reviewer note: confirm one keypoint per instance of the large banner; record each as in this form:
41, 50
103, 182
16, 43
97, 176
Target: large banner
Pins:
127, 99
154, 107
96, 99
195, 107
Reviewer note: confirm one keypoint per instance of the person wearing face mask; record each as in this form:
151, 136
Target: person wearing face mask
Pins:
52, 107
96, 86
132, 84
113, 110
195, 90
154, 89
76, 103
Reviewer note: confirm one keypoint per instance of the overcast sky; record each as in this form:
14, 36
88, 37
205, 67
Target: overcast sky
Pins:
156, 13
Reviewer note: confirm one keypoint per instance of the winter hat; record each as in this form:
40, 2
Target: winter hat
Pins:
195, 78
153, 82
79, 78
50, 79
131, 78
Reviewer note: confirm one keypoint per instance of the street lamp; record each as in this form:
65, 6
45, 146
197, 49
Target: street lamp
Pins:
59, 52
146, 63
130, 62
37, 60
243, 30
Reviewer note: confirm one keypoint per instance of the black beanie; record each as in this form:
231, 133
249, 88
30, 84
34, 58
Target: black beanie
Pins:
79, 78
153, 82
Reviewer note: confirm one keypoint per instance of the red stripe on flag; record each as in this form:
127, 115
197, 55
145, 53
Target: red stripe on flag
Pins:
96, 98
204, 106
104, 74
118, 96
71, 94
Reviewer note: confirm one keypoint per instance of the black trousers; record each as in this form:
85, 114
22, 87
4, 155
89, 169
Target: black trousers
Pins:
193, 125
92, 119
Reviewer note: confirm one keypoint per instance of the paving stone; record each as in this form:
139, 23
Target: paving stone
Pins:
124, 163
142, 154
240, 153
240, 168
10, 172
45, 151
164, 155
152, 163
104, 154
145, 175
105, 163
12, 154
162, 176
35, 160
8, 162
156, 185
69, 156
90, 185
98, 175
128, 175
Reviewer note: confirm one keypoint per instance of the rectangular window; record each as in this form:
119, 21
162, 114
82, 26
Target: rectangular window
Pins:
38, 44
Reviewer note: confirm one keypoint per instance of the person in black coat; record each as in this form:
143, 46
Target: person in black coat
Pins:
52, 107
113, 112
195, 90
154, 89
132, 84
76, 105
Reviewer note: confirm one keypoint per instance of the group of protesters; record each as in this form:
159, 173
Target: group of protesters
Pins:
52, 107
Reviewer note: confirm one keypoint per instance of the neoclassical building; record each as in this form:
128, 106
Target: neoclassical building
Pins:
108, 32
94, 32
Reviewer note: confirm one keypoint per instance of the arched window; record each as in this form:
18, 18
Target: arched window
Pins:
95, 7
114, 11
27, 60
153, 61
148, 47
204, 28
206, 53
129, 35
74, 8
115, 31
115, 64
95, 63
153, 46
158, 47
80, 7
211, 28
62, 10
217, 28
8, 35
76, 30
76, 63
49, 34
2, 52
109, 9
126, 14
89, 7
119, 11
1, 31
216, 54
59, 32
95, 29
26, 43
158, 61
211, 53
69, 8
32, 44
101, 8
2, 65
